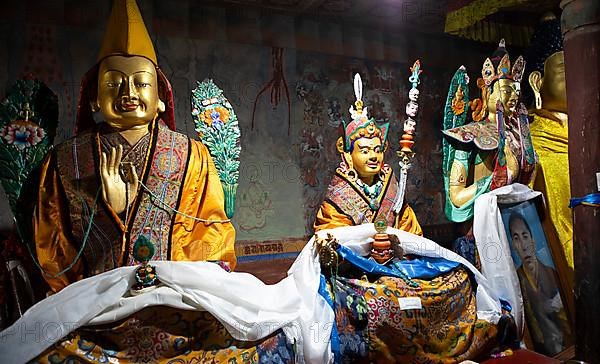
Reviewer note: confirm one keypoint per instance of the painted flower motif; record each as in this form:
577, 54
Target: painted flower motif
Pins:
216, 117
274, 350
22, 134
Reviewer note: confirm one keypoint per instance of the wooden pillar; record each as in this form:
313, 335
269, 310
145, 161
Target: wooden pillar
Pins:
581, 29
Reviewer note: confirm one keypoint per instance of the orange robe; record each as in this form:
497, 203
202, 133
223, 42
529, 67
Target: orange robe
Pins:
346, 205
78, 235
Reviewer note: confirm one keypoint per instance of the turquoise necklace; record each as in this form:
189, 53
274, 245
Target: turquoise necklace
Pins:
372, 192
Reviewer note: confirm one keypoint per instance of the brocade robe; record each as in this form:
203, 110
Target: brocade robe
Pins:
77, 234
346, 204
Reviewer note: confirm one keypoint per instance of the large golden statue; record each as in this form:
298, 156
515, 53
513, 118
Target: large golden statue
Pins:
129, 176
495, 149
549, 132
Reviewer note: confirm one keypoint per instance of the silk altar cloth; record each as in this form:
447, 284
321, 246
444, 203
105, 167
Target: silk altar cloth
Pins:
248, 308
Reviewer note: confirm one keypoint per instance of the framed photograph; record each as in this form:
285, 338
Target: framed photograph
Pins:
543, 297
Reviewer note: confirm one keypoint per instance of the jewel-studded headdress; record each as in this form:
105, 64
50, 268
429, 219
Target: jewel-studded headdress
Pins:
361, 126
495, 68
498, 66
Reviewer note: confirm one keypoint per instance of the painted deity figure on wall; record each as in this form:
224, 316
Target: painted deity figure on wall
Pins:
495, 149
129, 176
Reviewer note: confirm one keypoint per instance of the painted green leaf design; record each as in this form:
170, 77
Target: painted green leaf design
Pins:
28, 120
218, 128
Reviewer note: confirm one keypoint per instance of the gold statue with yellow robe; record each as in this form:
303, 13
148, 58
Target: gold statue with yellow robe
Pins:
129, 176
550, 134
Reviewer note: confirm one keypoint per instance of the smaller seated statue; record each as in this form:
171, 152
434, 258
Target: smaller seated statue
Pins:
364, 188
391, 304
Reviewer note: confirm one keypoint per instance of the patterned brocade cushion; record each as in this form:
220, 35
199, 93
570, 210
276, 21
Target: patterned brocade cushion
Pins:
166, 335
445, 330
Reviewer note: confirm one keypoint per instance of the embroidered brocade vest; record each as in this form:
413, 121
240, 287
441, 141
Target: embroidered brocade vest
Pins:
109, 238
348, 199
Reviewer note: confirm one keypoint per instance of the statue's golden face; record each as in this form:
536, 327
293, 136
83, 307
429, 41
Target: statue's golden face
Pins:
554, 91
507, 92
127, 91
367, 157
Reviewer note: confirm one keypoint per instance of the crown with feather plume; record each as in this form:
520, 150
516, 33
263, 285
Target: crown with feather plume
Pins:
361, 126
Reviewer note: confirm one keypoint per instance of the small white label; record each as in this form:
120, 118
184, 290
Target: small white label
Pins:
598, 181
410, 303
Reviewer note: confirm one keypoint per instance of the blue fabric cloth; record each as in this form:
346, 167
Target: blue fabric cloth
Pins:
420, 267
466, 248
334, 337
505, 305
591, 199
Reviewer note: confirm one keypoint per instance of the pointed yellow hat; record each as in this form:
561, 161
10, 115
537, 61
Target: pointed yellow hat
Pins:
126, 34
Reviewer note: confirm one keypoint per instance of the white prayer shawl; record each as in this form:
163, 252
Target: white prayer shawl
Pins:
492, 244
249, 309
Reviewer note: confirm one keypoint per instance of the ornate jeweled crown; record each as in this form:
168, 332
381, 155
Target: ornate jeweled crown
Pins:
361, 126
498, 66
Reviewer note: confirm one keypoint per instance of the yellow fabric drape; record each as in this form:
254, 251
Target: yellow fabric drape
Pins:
329, 217
54, 250
202, 197
551, 142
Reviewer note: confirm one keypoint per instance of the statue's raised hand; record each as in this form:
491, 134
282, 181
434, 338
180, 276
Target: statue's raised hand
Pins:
118, 189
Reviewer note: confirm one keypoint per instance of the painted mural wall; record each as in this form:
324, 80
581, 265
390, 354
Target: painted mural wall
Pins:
288, 77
